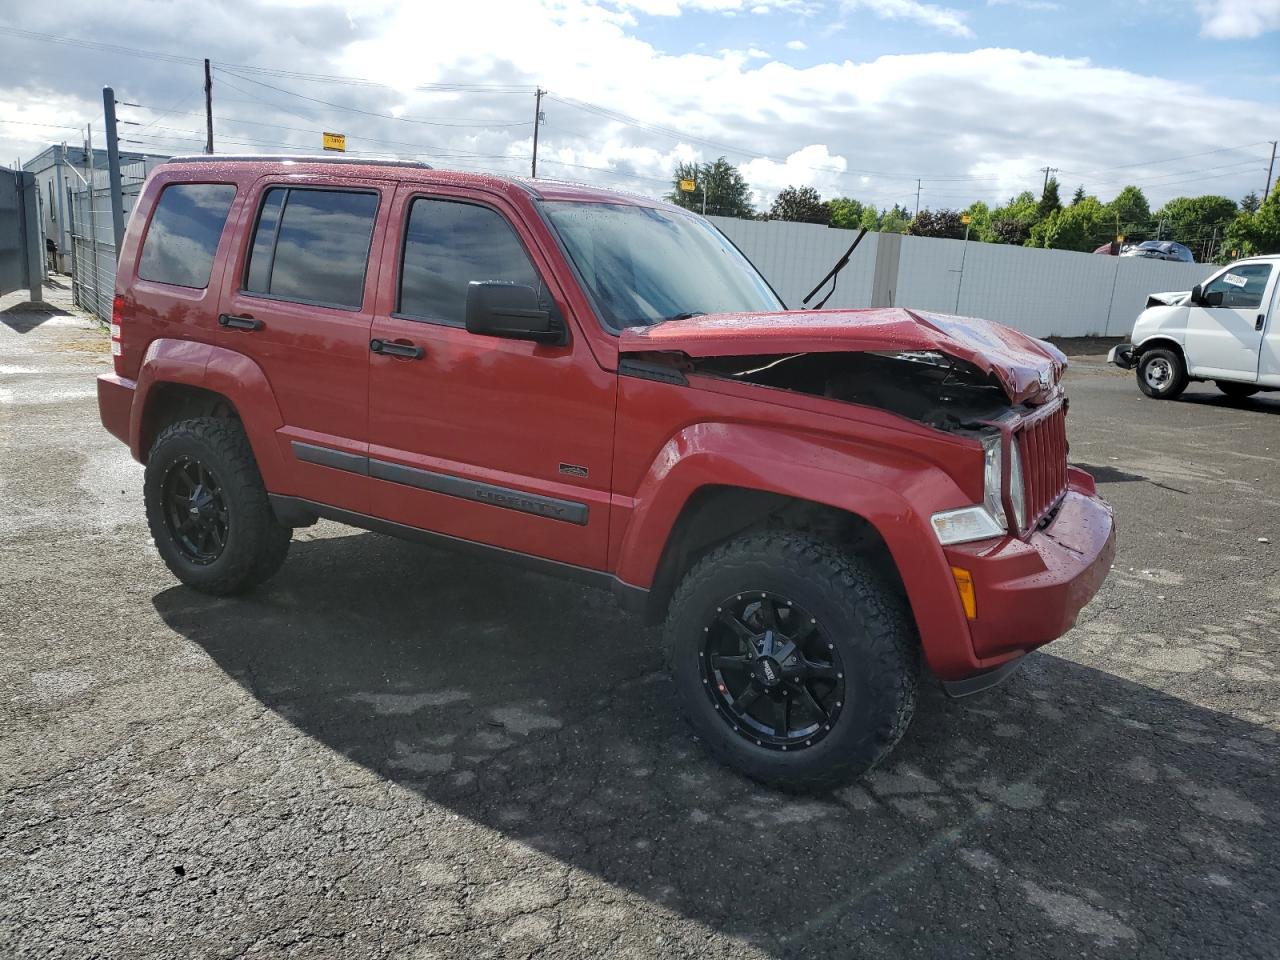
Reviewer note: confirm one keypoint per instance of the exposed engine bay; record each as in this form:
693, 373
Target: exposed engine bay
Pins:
927, 386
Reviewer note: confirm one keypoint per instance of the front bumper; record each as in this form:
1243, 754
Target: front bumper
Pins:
1029, 592
1123, 356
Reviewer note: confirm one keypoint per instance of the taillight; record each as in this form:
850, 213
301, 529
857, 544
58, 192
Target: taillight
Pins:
117, 316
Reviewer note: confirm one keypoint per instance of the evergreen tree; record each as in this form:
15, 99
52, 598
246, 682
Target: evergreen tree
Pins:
800, 204
1050, 202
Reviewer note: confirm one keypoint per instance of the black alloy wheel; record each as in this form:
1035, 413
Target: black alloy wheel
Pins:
772, 674
195, 512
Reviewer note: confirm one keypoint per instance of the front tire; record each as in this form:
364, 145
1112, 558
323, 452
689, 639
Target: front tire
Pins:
1161, 374
208, 510
1236, 391
794, 662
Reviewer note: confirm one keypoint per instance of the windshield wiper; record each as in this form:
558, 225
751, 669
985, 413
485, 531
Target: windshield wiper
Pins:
831, 274
683, 316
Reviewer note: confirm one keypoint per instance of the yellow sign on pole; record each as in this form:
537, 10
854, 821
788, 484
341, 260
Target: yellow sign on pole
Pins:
688, 186
335, 141
966, 219
1119, 238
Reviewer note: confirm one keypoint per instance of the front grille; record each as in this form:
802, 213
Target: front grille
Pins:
1042, 442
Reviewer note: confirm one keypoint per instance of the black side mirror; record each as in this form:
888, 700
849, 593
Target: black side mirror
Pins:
496, 308
1197, 296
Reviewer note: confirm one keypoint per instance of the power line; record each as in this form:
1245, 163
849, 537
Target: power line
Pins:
486, 124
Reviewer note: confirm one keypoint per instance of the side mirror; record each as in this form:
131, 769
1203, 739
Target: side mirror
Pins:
496, 308
1197, 296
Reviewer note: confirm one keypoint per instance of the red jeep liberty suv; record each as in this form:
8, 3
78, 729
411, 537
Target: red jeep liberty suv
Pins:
602, 387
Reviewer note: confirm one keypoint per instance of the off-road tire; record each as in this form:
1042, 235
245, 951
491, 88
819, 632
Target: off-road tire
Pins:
256, 544
869, 622
1236, 391
1161, 358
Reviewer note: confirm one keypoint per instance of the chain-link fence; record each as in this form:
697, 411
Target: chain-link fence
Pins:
93, 247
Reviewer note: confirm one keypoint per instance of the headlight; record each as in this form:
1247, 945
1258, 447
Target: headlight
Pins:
965, 525
988, 520
992, 467
1017, 489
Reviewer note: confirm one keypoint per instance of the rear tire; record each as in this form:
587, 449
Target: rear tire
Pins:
1236, 391
208, 510
1161, 374
844, 692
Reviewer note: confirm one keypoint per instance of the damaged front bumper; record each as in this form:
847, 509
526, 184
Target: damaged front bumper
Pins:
1123, 356
1029, 592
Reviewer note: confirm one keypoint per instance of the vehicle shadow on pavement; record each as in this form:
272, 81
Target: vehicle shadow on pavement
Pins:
1069, 812
1258, 403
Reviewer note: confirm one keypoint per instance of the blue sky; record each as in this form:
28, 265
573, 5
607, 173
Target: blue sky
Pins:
1161, 39
853, 97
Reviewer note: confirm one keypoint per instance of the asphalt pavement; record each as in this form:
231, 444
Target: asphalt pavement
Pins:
391, 751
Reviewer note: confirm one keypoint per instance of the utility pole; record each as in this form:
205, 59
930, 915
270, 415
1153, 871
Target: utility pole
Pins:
1270, 166
1046, 171
208, 107
537, 121
917, 198
113, 166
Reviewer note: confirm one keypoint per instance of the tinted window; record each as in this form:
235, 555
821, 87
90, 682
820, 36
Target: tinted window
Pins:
447, 246
184, 232
312, 246
1241, 286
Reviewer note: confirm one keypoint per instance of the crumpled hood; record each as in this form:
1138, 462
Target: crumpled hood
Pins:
1024, 365
1172, 299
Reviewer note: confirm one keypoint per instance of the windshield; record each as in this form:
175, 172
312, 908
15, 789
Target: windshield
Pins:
642, 266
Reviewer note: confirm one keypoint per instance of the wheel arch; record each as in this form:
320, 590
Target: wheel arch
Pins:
180, 378
168, 402
1161, 341
716, 513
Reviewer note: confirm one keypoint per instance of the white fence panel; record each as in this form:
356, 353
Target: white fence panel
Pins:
1041, 292
795, 256
1137, 278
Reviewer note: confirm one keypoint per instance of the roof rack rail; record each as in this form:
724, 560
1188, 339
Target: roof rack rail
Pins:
297, 158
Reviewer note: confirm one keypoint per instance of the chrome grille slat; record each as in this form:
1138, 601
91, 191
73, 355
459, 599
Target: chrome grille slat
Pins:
1042, 443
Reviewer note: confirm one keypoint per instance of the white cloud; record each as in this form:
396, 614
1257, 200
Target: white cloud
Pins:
797, 45
1234, 19
992, 115
756, 54
946, 19
811, 166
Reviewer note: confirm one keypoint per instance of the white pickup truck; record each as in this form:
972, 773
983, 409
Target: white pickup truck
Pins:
1226, 329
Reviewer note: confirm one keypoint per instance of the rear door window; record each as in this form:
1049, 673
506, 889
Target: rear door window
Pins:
184, 232
312, 246
448, 244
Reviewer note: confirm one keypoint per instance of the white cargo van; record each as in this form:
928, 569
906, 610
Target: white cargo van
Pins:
1226, 329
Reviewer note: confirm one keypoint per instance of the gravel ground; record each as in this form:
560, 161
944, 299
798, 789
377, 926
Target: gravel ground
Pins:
395, 752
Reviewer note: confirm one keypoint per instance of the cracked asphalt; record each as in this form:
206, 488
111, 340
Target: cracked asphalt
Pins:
394, 752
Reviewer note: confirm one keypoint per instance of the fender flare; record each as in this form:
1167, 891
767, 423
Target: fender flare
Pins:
222, 371
890, 489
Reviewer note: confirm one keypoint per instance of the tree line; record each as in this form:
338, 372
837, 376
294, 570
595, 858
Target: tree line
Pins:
1213, 227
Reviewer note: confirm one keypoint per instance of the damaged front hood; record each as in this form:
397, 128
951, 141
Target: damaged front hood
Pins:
1173, 299
1023, 365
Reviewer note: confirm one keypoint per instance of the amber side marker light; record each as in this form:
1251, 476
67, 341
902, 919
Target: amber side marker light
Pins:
964, 584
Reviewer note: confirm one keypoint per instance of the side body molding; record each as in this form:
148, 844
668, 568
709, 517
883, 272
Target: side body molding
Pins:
890, 489
223, 371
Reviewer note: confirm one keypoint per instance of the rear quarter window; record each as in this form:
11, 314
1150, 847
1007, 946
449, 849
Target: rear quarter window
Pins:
184, 232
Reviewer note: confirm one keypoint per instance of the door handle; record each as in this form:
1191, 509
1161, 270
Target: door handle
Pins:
239, 323
1262, 318
393, 349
